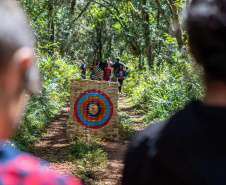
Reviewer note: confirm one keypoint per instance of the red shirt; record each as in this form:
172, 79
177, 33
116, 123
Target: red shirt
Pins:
107, 73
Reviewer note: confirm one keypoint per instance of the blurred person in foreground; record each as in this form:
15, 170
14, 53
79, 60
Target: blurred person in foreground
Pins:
190, 147
19, 76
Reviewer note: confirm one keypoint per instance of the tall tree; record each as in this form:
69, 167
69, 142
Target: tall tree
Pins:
174, 27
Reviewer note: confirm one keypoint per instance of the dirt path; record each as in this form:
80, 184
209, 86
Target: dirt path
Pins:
53, 141
51, 145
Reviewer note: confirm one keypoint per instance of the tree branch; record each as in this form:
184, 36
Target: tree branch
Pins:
120, 22
164, 16
170, 8
87, 5
112, 5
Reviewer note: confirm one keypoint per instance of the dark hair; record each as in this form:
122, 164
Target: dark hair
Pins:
106, 64
103, 64
205, 23
15, 34
96, 60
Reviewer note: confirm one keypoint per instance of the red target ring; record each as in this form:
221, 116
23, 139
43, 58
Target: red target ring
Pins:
102, 110
102, 113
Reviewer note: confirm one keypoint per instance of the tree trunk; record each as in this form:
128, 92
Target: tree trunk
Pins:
146, 26
73, 3
140, 63
158, 18
51, 20
176, 29
177, 26
99, 40
51, 24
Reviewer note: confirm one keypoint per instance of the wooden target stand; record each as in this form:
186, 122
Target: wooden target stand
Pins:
93, 109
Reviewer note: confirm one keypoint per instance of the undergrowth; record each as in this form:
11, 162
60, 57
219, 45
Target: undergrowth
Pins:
56, 74
126, 126
89, 157
165, 88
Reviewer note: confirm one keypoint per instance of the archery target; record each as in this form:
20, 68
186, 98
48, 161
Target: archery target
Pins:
93, 109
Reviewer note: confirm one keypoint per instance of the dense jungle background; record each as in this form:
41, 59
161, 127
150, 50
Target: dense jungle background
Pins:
148, 36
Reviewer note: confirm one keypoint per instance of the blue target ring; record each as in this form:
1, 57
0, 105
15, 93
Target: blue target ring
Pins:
79, 108
82, 118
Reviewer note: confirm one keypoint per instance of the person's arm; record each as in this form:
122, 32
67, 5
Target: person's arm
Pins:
112, 69
117, 73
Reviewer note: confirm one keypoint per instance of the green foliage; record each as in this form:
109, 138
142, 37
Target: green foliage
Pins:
56, 74
88, 156
166, 88
169, 39
126, 126
125, 121
103, 28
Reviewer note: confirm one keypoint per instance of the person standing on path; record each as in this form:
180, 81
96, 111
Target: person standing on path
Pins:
107, 70
121, 75
98, 72
116, 66
190, 147
83, 68
93, 65
19, 77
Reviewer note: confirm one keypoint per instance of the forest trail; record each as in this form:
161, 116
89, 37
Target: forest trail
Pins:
53, 141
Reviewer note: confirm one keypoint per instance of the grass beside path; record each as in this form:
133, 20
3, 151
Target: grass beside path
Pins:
129, 119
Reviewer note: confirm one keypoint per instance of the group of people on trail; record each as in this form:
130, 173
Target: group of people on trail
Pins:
106, 70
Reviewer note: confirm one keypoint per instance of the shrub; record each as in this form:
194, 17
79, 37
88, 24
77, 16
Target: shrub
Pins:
87, 155
164, 89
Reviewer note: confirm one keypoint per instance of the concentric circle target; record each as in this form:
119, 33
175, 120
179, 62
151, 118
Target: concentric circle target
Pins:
93, 109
